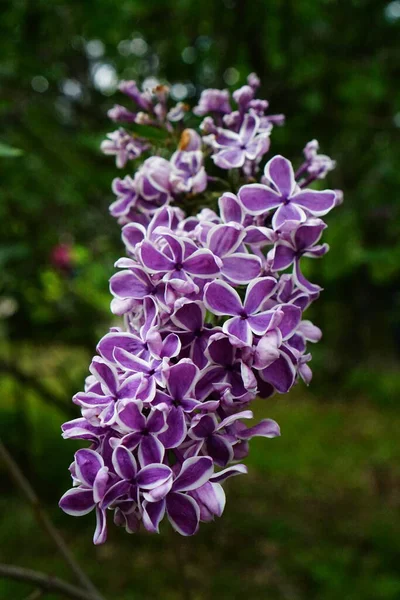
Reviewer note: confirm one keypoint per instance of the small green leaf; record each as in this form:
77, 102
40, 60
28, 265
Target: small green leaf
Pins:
149, 132
8, 151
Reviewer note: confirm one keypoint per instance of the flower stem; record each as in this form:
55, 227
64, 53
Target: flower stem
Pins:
46, 583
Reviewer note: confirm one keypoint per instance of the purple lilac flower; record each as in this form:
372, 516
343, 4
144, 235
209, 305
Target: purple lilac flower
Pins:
188, 173
92, 478
180, 263
213, 101
283, 194
248, 318
123, 146
212, 318
302, 242
233, 149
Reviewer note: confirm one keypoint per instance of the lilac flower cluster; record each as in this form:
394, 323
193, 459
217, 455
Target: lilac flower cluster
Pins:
212, 305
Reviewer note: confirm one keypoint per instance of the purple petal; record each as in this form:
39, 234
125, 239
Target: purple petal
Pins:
239, 331
258, 146
131, 440
204, 426
156, 421
131, 417
198, 348
287, 212
122, 205
100, 534
77, 501
124, 463
290, 320
226, 137
87, 465
219, 449
317, 251
224, 239
189, 404
126, 284
130, 361
281, 374
171, 346
260, 323
266, 428
249, 128
283, 256
154, 260
210, 498
317, 203
181, 378
194, 473
100, 484
153, 514
202, 263
210, 376
132, 235
229, 472
176, 429
153, 476
80, 429
105, 374
280, 171
241, 268
221, 299
259, 236
311, 332
220, 350
159, 492
116, 491
230, 208
176, 247
151, 451
267, 349
302, 282
244, 414
89, 399
127, 518
258, 199
229, 158
190, 316
127, 341
183, 513
308, 234
257, 292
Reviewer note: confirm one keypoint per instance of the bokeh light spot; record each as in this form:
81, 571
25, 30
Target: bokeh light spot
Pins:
231, 76
39, 84
95, 48
189, 55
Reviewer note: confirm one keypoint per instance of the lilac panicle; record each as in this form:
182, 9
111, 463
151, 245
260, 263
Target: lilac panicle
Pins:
212, 303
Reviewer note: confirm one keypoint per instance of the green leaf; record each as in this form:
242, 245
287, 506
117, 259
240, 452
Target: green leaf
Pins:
149, 132
7, 151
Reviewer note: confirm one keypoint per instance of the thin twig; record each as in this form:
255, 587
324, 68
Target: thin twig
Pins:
29, 493
45, 582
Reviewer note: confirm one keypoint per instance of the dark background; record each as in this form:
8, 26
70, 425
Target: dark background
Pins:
317, 517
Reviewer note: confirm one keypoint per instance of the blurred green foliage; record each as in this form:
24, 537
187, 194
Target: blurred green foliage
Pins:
318, 516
